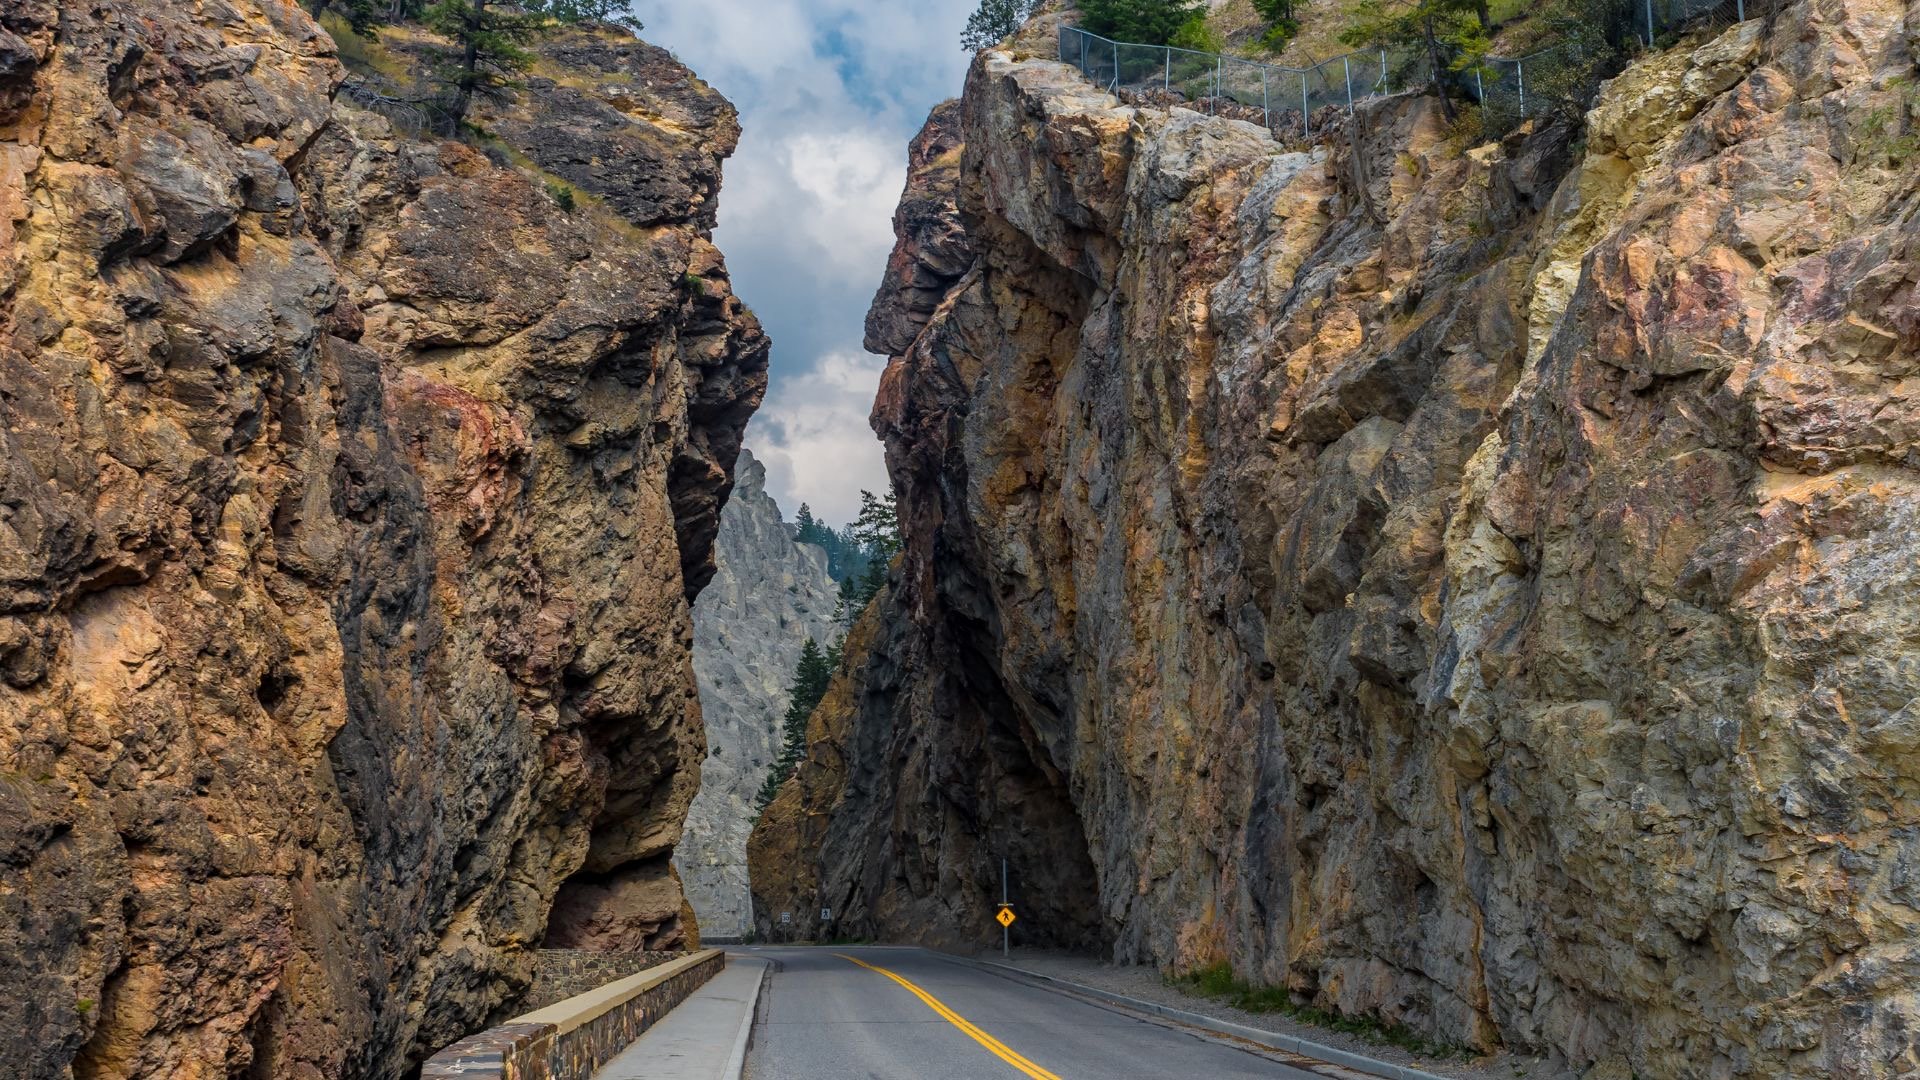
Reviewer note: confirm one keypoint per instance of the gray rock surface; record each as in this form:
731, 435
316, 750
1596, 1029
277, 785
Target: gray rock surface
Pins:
768, 595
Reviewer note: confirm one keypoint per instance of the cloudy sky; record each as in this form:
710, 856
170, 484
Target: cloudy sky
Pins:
830, 92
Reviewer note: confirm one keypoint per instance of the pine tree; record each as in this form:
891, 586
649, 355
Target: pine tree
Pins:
878, 527
1140, 22
811, 677
847, 607
361, 15
491, 39
1452, 33
806, 528
994, 21
1281, 24
850, 557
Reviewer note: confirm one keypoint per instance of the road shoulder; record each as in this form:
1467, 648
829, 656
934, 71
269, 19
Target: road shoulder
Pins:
1077, 976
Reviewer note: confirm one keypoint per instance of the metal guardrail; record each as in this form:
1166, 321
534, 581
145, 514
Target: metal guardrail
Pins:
1561, 76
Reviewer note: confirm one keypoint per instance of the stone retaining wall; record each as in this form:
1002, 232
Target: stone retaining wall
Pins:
572, 1039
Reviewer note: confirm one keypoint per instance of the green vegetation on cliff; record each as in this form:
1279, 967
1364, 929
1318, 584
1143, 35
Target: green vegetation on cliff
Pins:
811, 677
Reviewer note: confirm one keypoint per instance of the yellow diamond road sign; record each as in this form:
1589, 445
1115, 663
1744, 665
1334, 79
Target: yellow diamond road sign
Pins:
1005, 917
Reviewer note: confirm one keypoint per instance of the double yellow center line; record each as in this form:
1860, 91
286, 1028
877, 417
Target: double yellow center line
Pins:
999, 1049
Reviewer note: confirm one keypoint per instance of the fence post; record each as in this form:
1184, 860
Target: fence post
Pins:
1084, 69
1116, 65
1347, 66
1520, 69
1219, 63
1266, 112
1306, 130
1383, 71
1480, 85
1649, 24
1166, 81
1740, 7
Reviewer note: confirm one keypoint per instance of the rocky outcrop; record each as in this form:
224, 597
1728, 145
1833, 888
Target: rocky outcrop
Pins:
351, 500
1464, 586
768, 596
933, 249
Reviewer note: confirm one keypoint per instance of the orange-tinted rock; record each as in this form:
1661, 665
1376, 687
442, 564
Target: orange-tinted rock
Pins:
351, 497
1466, 588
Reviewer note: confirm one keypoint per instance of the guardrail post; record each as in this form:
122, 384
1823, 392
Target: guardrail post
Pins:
1520, 69
1306, 130
1347, 66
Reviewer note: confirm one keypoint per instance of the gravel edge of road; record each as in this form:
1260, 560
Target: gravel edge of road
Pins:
1079, 974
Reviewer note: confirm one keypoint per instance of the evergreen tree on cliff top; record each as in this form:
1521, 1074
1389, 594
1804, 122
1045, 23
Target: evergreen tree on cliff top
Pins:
491, 40
1452, 33
1140, 22
995, 21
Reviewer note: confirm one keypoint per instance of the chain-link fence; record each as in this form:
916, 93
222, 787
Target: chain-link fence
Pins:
1558, 80
1284, 99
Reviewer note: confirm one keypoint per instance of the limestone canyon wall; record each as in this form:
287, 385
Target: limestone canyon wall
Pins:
767, 597
353, 497
1469, 585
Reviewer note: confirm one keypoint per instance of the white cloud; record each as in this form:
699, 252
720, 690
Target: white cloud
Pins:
813, 436
830, 92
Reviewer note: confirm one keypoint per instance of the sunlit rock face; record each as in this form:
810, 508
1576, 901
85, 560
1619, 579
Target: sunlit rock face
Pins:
767, 597
352, 499
1470, 586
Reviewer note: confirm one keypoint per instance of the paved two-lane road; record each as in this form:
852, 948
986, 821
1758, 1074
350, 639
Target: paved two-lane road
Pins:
908, 1014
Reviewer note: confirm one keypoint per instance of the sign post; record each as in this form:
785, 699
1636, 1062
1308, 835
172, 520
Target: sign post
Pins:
1006, 915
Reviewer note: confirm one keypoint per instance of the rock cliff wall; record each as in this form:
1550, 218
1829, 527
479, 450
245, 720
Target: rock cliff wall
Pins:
1468, 586
352, 499
767, 597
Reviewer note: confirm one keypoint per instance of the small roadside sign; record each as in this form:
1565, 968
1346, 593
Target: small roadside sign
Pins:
786, 916
826, 914
1006, 917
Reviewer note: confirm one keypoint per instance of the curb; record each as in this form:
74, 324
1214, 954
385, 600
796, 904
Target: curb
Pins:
737, 1060
1271, 1039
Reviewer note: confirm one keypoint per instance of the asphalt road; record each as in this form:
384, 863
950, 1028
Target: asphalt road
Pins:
909, 1014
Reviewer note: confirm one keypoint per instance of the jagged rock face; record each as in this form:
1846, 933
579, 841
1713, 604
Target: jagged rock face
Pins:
348, 485
933, 249
1469, 588
767, 597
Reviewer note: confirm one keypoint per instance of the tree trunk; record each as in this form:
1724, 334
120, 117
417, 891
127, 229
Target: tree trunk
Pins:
1433, 58
469, 64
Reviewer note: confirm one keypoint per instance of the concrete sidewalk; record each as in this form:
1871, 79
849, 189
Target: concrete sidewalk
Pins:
705, 1037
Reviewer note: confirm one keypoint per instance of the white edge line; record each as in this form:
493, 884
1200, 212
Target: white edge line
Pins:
1274, 1039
